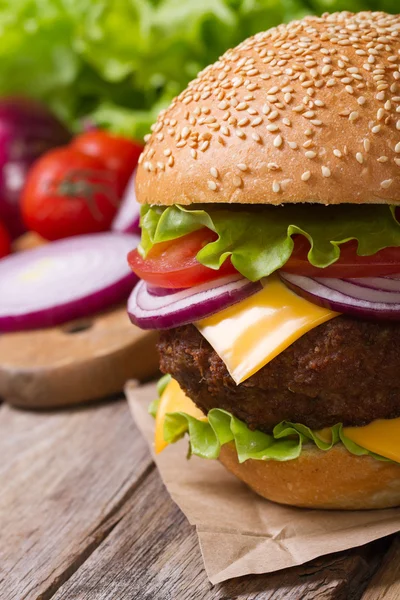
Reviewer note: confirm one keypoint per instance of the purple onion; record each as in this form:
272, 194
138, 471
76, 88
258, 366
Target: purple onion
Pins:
67, 279
27, 130
149, 311
375, 298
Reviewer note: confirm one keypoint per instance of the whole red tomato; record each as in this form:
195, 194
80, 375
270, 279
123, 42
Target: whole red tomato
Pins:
69, 193
119, 154
5, 241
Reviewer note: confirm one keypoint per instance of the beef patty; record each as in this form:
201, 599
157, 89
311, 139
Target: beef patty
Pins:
344, 371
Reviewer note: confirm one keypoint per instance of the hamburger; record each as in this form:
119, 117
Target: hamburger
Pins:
270, 262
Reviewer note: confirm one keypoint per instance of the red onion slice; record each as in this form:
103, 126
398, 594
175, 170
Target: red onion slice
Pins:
377, 283
368, 298
149, 311
65, 280
160, 291
128, 215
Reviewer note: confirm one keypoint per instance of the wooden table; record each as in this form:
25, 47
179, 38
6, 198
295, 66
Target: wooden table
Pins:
84, 516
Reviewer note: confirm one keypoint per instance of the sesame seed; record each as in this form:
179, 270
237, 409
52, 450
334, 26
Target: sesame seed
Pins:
293, 145
240, 133
266, 109
273, 166
337, 153
310, 154
326, 172
276, 188
256, 137
272, 127
242, 166
353, 116
193, 152
359, 158
204, 145
367, 145
382, 159
256, 121
397, 148
386, 183
278, 141
237, 181
306, 176
212, 185
214, 172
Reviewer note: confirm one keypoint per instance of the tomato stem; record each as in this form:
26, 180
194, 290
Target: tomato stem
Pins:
77, 184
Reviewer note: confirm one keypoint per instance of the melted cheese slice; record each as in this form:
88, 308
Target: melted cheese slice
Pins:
248, 335
173, 399
381, 436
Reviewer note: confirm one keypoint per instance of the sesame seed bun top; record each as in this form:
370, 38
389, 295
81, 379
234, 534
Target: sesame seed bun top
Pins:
304, 112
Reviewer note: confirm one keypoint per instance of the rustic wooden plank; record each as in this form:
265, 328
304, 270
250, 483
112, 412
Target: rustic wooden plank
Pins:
153, 553
63, 476
386, 583
79, 361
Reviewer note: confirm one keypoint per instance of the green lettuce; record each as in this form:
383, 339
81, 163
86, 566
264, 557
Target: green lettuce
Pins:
119, 62
285, 443
259, 241
161, 385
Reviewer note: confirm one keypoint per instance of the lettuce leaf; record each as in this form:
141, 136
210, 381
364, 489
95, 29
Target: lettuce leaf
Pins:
259, 241
285, 443
119, 62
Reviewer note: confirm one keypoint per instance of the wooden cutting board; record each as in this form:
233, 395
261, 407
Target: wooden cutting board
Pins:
82, 360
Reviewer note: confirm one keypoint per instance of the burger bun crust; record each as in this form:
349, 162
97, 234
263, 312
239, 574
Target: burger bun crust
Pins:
304, 112
335, 479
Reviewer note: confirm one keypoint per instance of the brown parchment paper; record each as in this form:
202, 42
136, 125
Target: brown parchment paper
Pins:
240, 533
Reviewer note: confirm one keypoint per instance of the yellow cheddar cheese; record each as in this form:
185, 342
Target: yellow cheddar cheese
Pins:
248, 335
173, 399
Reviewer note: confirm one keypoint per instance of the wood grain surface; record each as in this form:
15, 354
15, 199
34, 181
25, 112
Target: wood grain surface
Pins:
153, 553
84, 516
80, 361
386, 583
62, 478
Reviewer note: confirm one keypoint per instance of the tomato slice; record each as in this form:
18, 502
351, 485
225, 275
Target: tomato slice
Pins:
174, 264
349, 264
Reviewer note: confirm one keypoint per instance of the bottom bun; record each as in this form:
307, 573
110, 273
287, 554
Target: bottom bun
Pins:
335, 479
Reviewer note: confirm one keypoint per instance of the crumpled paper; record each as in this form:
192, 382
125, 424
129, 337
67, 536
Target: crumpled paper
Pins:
239, 532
